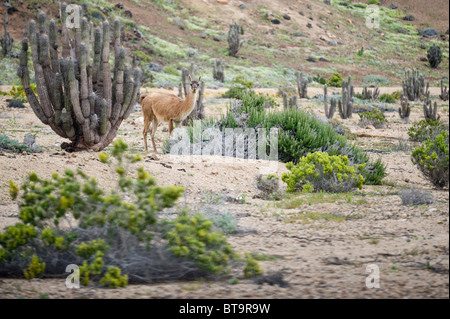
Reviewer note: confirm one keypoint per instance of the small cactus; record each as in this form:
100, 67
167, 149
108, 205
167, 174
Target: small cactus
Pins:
234, 39
302, 86
430, 112
329, 112
345, 105
6, 41
444, 92
218, 71
413, 85
405, 109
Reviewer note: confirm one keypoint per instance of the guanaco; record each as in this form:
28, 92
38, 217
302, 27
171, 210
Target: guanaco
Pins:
164, 107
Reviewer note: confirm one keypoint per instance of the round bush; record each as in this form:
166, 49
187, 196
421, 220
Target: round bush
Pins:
321, 171
432, 159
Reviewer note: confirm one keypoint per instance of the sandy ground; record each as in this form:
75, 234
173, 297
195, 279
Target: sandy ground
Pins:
319, 258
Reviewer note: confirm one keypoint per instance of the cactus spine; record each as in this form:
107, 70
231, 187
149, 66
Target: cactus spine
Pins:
76, 97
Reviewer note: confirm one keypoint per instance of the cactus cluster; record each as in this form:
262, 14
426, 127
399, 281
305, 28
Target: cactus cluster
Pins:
329, 112
302, 86
444, 92
434, 56
370, 94
345, 105
430, 111
6, 41
78, 99
413, 85
234, 39
218, 70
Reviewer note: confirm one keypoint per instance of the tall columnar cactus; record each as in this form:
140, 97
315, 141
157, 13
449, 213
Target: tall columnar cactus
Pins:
430, 111
6, 41
218, 70
234, 39
302, 85
405, 109
345, 105
434, 56
444, 92
413, 85
329, 112
78, 99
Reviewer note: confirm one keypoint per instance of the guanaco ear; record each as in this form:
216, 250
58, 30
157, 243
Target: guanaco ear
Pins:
199, 79
190, 79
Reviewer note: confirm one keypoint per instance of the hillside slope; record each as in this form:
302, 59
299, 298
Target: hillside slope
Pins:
178, 33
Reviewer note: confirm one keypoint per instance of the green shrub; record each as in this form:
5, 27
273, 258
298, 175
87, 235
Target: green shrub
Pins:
236, 92
35, 268
252, 268
375, 118
268, 187
321, 172
377, 80
13, 146
335, 80
242, 81
319, 79
375, 2
432, 158
387, 98
226, 222
423, 130
301, 133
70, 219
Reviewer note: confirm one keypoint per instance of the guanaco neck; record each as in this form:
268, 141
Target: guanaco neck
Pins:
191, 99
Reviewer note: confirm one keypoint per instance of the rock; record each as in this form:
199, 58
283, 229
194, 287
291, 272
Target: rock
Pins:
343, 3
388, 214
155, 67
301, 13
424, 59
119, 6
429, 32
311, 18
242, 6
128, 13
138, 33
320, 25
311, 59
222, 1
403, 31
275, 21
30, 141
177, 21
203, 35
286, 17
327, 2
217, 38
323, 60
15, 104
298, 34
340, 42
409, 18
11, 10
309, 25
192, 53
309, 6
393, 6
370, 127
97, 15
332, 43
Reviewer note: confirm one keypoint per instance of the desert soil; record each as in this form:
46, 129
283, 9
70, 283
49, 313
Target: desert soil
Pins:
319, 258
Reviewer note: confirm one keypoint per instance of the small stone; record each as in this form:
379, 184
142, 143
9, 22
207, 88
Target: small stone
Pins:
311, 18
275, 21
309, 6
217, 38
409, 18
393, 6
286, 17
128, 14
320, 25
203, 35
311, 59
309, 25
332, 43
301, 13
370, 127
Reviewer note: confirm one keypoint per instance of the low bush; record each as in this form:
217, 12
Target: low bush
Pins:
323, 172
242, 81
432, 158
268, 187
236, 92
423, 130
115, 236
387, 98
335, 80
414, 196
13, 146
375, 118
376, 80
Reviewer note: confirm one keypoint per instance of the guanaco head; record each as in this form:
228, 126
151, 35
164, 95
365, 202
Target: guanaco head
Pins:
194, 84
